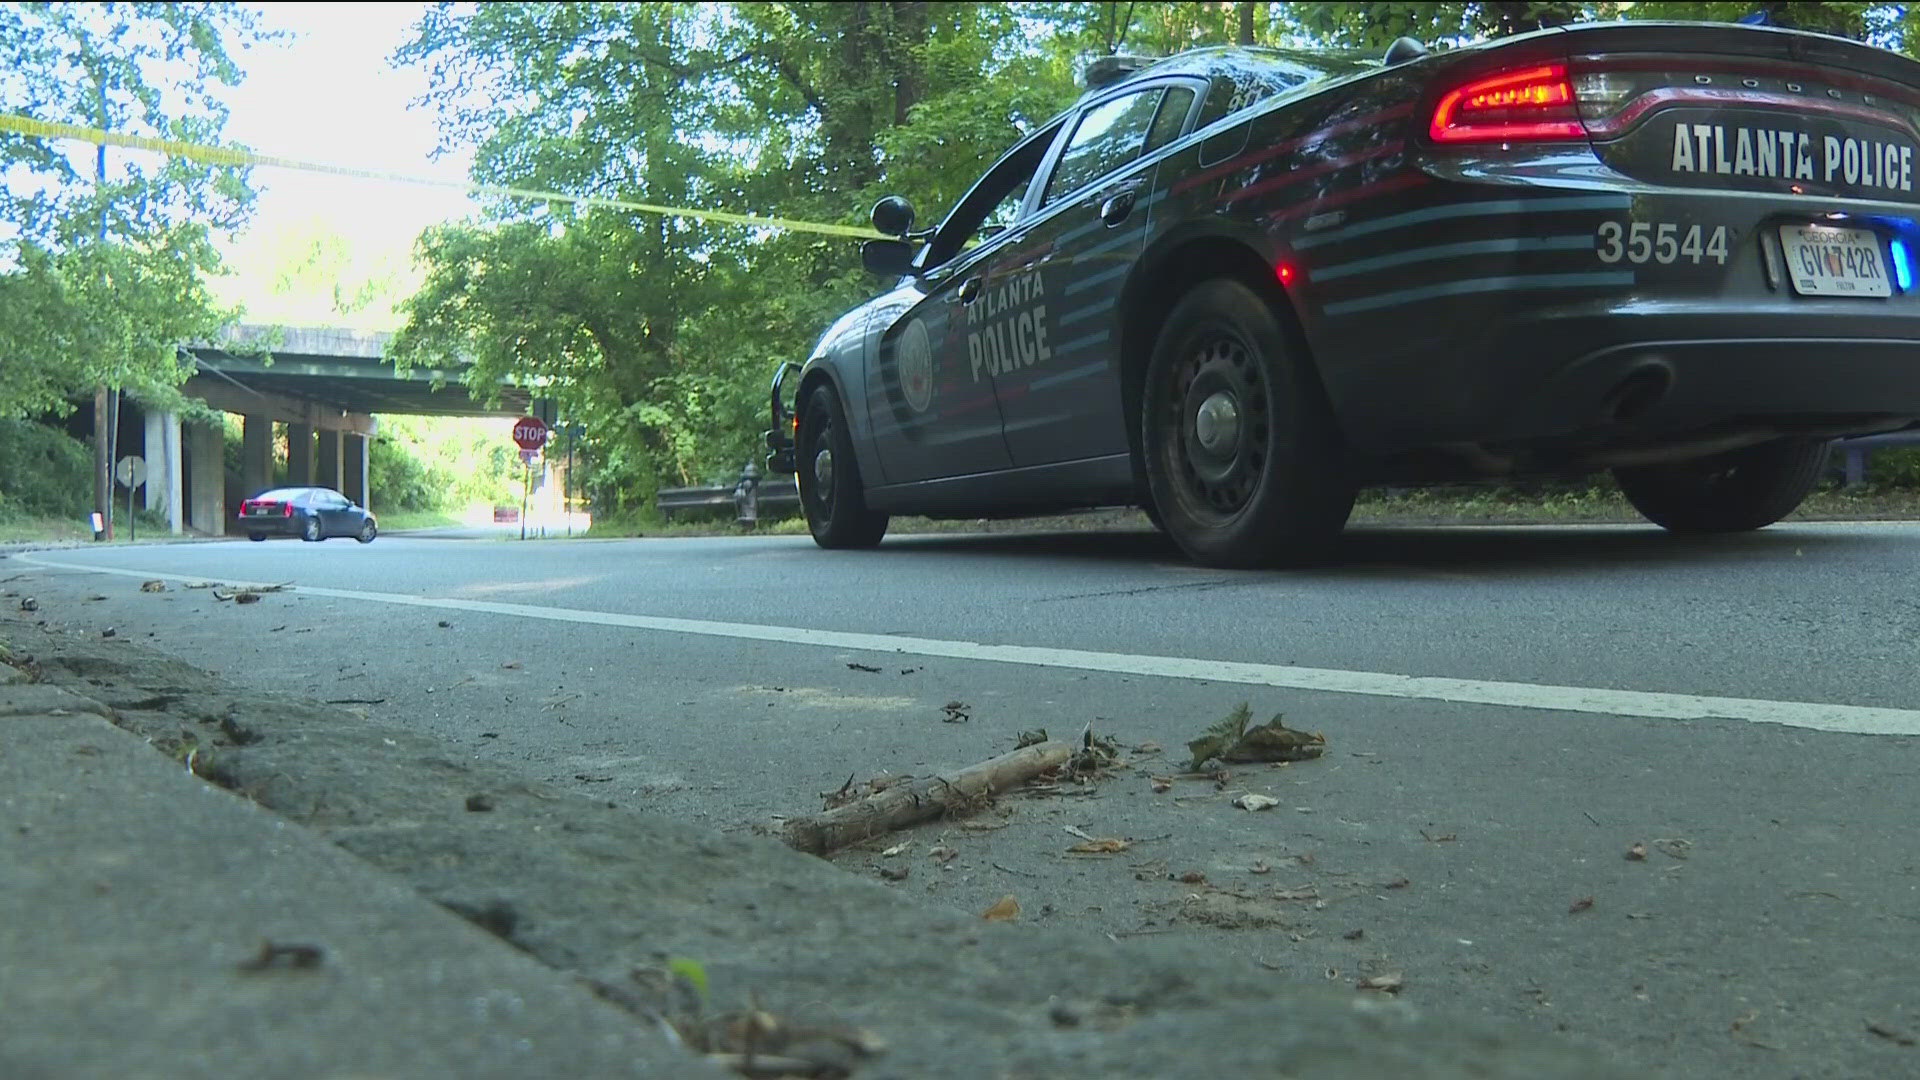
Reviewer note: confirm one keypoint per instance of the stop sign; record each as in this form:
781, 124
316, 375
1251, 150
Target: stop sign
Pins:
530, 432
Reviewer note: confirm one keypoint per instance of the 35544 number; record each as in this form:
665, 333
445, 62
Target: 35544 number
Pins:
1663, 242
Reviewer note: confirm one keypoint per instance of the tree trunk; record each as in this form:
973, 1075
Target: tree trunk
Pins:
1244, 11
914, 801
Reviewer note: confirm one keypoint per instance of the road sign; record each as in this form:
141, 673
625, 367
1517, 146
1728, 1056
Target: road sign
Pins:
528, 457
530, 432
131, 471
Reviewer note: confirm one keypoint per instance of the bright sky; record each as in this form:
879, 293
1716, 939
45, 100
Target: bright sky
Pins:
328, 94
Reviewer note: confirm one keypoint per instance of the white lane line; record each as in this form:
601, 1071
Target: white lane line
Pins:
1819, 716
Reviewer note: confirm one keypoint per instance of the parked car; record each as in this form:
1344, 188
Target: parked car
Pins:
310, 513
1233, 286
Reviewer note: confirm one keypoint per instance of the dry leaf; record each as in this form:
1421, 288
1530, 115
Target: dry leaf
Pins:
957, 712
1637, 853
943, 855
1147, 748
862, 667
1398, 883
153, 586
1160, 784
896, 849
1074, 830
1193, 877
1105, 846
1030, 738
511, 665
1256, 802
895, 873
1259, 867
1005, 909
1580, 905
1305, 892
1388, 983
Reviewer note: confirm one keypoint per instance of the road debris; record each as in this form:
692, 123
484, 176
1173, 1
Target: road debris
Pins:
1580, 905
895, 873
1109, 845
898, 849
276, 955
1030, 738
1442, 838
1674, 848
1387, 983
1891, 1034
863, 667
1005, 909
943, 855
912, 801
957, 712
156, 585
29, 604
1231, 740
480, 803
1160, 784
1637, 853
1252, 801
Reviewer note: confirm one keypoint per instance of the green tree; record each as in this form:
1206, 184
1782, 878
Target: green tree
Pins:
102, 269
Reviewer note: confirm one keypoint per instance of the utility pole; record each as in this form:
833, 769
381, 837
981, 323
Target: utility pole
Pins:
106, 412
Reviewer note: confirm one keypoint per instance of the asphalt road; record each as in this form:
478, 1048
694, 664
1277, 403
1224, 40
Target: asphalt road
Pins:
1509, 712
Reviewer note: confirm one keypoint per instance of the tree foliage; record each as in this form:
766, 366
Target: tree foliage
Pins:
101, 278
658, 333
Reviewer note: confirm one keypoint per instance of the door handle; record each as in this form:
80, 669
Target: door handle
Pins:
1117, 205
970, 290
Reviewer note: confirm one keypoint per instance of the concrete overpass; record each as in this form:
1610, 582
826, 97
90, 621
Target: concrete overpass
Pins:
317, 388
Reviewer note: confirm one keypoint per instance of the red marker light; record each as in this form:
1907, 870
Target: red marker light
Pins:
1284, 273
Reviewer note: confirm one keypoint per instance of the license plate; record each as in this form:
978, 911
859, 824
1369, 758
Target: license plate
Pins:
1827, 261
259, 511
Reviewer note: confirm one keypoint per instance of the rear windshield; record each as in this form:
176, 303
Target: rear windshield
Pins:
1255, 74
280, 495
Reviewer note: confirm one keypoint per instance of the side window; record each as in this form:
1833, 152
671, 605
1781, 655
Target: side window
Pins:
1109, 136
994, 204
1171, 119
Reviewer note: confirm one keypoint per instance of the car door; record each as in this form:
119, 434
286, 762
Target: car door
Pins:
335, 512
1060, 397
930, 390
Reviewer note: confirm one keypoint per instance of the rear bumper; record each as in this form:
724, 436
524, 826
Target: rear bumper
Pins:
271, 525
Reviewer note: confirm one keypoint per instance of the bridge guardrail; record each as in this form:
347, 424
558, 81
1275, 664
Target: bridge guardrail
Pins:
750, 499
1853, 453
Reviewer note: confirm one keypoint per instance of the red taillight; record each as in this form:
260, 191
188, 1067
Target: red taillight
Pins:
1513, 106
246, 505
287, 510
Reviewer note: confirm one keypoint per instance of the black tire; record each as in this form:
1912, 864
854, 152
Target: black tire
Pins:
830, 490
256, 537
1272, 488
368, 530
311, 532
1736, 491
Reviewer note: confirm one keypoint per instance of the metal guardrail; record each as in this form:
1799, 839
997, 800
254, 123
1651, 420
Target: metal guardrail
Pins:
750, 499
1853, 453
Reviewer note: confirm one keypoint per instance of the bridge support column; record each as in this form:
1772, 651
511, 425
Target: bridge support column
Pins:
163, 486
256, 454
206, 477
300, 455
327, 470
354, 483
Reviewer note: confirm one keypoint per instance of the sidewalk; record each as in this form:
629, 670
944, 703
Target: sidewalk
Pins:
135, 898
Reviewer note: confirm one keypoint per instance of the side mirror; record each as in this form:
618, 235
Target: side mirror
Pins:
893, 215
888, 258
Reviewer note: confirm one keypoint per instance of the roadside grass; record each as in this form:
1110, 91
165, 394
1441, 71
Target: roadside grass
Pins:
396, 520
1462, 504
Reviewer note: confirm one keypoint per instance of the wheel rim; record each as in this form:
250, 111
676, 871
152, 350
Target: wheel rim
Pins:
1216, 413
821, 444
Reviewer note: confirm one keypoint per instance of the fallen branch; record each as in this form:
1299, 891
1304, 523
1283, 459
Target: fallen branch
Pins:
914, 801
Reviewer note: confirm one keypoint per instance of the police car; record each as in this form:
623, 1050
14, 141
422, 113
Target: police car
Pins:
1235, 285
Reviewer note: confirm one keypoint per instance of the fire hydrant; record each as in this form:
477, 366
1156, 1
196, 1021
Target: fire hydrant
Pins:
746, 495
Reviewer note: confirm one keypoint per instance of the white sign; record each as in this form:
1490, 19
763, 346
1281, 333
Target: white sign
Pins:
131, 471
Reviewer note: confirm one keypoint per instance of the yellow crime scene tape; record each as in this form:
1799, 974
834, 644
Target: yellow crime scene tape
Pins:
217, 155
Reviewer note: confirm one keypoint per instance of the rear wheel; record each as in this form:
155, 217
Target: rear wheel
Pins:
310, 530
256, 536
1735, 491
1244, 460
830, 490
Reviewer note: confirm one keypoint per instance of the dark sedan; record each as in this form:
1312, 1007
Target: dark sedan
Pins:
310, 513
1236, 285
